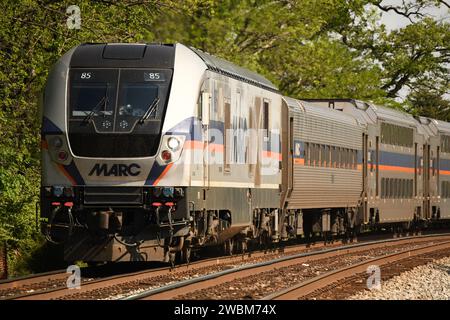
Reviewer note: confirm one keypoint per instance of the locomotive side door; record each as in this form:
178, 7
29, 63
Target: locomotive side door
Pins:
206, 103
287, 150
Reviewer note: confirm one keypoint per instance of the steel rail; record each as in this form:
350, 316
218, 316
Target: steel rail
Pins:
306, 287
184, 283
32, 279
52, 292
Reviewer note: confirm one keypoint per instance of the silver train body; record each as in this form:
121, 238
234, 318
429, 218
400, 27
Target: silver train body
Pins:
149, 151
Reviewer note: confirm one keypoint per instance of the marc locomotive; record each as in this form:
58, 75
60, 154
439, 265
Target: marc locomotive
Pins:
151, 151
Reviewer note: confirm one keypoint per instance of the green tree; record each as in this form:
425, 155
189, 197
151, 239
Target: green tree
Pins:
429, 103
320, 48
410, 57
293, 43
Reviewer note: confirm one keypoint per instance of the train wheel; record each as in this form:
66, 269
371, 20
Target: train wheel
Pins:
228, 247
242, 246
186, 254
264, 241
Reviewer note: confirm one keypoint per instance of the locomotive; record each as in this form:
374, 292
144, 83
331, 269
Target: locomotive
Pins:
150, 151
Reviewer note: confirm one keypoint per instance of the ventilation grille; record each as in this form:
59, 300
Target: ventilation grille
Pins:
113, 195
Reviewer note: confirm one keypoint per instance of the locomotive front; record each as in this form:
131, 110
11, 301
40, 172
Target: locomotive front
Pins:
107, 148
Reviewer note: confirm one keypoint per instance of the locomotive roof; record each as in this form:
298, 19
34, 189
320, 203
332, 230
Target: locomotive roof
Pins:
227, 68
157, 55
128, 55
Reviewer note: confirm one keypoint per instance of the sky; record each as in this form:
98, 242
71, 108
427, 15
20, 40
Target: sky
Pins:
395, 21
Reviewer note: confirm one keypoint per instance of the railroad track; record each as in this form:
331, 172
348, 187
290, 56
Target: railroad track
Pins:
34, 284
321, 284
31, 283
281, 277
52, 285
162, 283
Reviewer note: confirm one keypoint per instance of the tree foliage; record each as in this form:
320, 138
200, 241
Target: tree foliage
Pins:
309, 48
293, 43
322, 48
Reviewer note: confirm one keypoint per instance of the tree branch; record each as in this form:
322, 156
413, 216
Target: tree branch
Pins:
406, 10
447, 4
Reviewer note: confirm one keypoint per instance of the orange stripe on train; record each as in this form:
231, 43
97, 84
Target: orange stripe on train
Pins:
192, 144
66, 174
166, 169
215, 147
271, 154
396, 168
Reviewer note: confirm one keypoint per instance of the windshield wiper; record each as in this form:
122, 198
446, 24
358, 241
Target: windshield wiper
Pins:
150, 110
103, 102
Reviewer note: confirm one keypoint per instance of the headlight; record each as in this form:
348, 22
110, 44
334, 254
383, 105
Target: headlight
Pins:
57, 142
166, 155
173, 143
58, 191
62, 155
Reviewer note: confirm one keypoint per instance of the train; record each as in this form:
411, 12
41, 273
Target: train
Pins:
153, 151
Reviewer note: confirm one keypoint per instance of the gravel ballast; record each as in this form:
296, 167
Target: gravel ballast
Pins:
427, 282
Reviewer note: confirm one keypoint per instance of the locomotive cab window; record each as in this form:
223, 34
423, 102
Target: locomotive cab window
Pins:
135, 98
116, 112
92, 93
91, 98
138, 103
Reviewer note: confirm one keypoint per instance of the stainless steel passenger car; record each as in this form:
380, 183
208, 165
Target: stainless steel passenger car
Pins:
325, 181
400, 163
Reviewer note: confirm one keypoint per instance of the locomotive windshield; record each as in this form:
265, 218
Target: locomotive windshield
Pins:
87, 99
136, 99
116, 112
